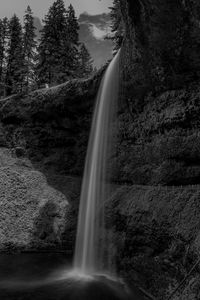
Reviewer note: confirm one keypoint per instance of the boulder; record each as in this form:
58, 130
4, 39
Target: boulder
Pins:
33, 215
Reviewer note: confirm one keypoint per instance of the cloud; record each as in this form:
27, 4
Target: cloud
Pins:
98, 33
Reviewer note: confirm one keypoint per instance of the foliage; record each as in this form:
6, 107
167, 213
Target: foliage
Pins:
71, 59
52, 45
3, 42
58, 49
15, 62
25, 64
86, 67
72, 26
29, 49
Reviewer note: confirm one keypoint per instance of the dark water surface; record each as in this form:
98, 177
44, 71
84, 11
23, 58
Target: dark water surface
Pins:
46, 277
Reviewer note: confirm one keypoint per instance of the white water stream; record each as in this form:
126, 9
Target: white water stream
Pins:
92, 253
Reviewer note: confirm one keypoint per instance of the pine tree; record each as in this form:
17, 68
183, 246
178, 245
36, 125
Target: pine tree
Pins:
72, 26
15, 62
86, 62
72, 57
117, 24
52, 45
3, 41
29, 46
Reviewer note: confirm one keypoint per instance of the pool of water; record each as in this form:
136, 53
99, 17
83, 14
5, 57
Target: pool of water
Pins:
47, 277
31, 266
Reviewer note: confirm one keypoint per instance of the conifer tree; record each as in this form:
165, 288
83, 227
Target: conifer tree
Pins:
72, 26
3, 42
86, 62
29, 46
72, 57
52, 45
15, 62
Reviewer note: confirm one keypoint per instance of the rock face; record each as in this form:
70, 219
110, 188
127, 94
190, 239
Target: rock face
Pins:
161, 144
156, 230
52, 125
32, 214
159, 123
161, 44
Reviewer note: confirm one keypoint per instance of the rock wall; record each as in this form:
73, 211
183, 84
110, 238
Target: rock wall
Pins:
33, 215
159, 123
161, 144
157, 230
161, 45
155, 220
52, 125
49, 129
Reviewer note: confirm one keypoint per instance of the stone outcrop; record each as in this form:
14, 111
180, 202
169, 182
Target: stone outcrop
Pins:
32, 214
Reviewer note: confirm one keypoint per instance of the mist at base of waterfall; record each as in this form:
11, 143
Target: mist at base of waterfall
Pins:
46, 276
68, 287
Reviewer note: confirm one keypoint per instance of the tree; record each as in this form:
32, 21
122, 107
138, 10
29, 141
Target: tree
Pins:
3, 41
15, 62
29, 46
52, 48
58, 49
86, 62
72, 57
72, 26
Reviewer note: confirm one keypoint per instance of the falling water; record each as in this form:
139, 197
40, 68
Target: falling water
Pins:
92, 249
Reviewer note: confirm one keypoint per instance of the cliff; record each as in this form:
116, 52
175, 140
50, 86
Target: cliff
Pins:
159, 123
158, 148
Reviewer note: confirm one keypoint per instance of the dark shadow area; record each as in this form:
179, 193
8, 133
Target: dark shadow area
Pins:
44, 230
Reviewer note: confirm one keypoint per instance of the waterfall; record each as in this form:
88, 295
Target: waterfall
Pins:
92, 253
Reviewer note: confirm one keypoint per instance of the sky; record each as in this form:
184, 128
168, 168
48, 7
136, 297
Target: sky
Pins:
40, 7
